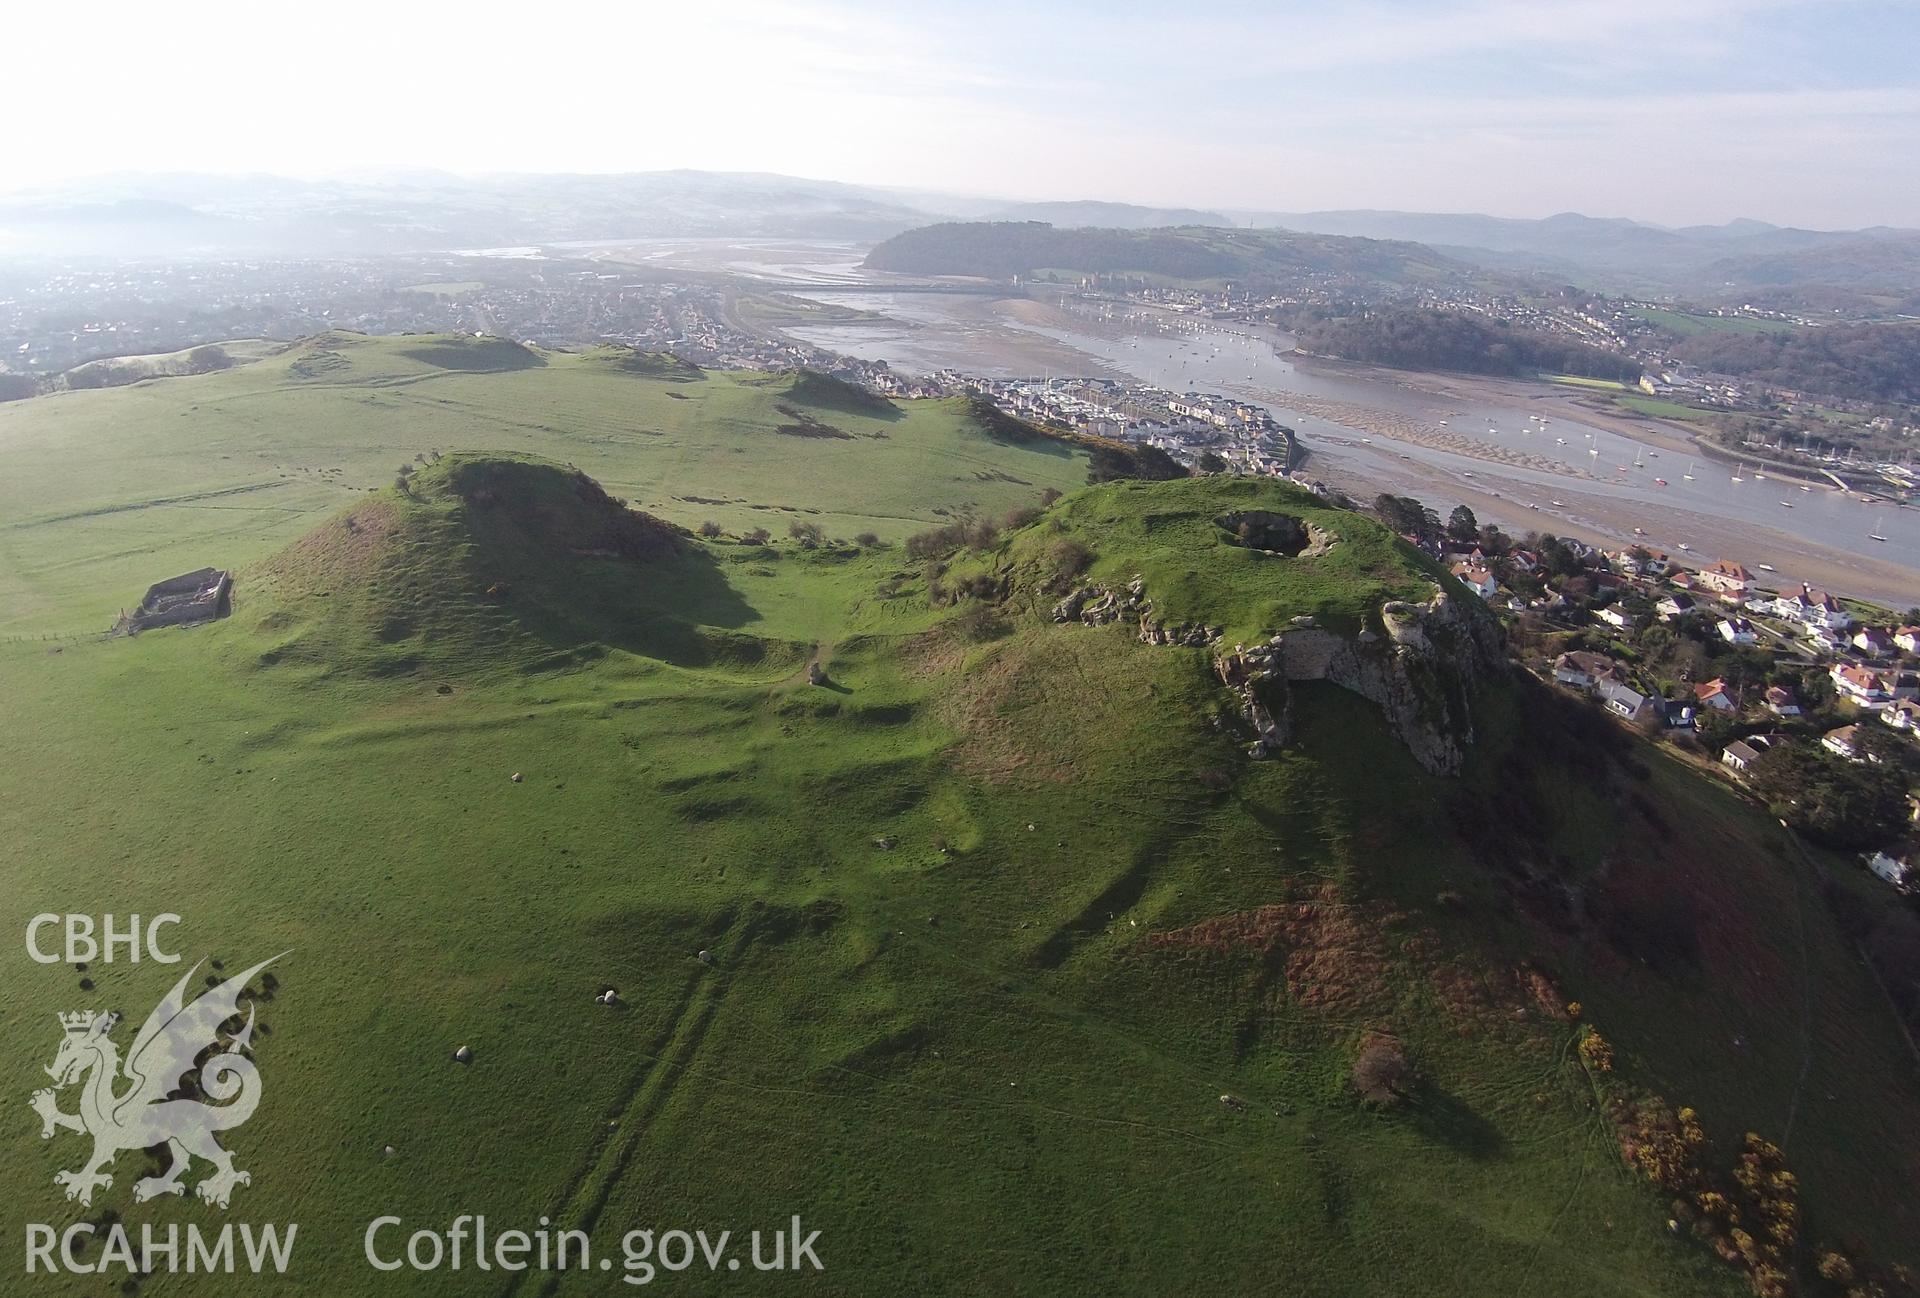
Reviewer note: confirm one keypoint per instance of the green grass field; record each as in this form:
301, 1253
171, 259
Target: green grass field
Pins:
963, 1014
107, 491
1576, 381
1686, 323
1662, 409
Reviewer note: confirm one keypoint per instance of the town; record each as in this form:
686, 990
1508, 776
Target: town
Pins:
1805, 699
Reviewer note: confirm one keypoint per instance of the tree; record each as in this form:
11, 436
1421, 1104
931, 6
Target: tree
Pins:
1109, 463
758, 536
1462, 526
809, 535
1407, 516
1715, 727
1853, 806
1558, 556
208, 358
1212, 462
1380, 1072
709, 529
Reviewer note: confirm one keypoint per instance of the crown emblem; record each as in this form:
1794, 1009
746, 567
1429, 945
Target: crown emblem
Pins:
83, 1022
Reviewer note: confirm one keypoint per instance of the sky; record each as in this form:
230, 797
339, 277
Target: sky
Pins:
1802, 112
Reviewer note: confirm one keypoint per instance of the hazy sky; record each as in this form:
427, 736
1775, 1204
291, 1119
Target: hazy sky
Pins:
1802, 111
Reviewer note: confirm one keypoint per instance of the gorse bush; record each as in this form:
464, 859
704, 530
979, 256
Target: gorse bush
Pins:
970, 534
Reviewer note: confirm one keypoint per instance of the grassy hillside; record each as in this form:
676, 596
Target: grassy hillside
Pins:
108, 491
1021, 976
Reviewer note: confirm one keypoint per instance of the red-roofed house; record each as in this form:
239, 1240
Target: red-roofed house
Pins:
1726, 577
1478, 580
1862, 685
1713, 694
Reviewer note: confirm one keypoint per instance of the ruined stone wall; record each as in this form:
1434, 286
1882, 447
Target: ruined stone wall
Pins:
192, 597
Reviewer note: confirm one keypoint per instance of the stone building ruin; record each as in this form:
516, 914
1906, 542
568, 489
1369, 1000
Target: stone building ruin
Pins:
199, 596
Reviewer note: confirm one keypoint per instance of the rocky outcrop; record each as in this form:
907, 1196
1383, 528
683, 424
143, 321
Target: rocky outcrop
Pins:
1266, 704
1422, 673
1097, 606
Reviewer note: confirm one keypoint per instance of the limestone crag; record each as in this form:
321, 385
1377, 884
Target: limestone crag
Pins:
1256, 677
1097, 606
1422, 674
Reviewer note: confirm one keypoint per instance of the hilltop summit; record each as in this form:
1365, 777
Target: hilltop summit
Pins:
477, 556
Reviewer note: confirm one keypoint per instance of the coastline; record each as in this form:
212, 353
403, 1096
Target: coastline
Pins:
1591, 513
1531, 395
1600, 520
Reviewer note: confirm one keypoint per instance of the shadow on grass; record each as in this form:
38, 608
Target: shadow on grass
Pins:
1446, 1119
678, 608
477, 355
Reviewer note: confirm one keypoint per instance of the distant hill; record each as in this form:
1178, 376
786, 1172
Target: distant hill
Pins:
1112, 216
1878, 362
273, 215
435, 211
1862, 272
1000, 249
1858, 270
1420, 338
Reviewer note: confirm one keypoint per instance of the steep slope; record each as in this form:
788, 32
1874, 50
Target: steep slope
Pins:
1568, 896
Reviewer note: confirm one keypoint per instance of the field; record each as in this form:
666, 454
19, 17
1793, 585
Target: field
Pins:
1576, 381
223, 469
1687, 323
1020, 977
1662, 409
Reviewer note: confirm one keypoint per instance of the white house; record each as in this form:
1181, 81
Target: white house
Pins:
1714, 694
1861, 685
1737, 630
1873, 642
1908, 639
1902, 714
1729, 579
1782, 702
1614, 616
1814, 608
1825, 638
1478, 580
1844, 742
1673, 606
1583, 669
1891, 868
1623, 701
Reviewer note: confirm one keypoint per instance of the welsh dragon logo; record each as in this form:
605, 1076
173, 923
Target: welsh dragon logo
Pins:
178, 1036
